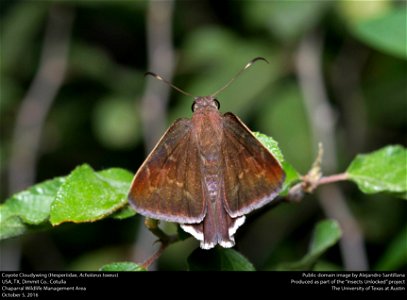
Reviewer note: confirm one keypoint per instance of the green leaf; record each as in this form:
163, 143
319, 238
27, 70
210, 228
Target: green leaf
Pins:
87, 196
386, 33
30, 207
384, 170
124, 213
291, 175
271, 144
326, 266
10, 224
122, 267
395, 256
33, 204
218, 259
326, 234
83, 196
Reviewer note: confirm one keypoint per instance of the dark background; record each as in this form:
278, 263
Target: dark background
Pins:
98, 114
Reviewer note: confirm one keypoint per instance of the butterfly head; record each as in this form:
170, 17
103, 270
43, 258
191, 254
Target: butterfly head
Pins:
205, 103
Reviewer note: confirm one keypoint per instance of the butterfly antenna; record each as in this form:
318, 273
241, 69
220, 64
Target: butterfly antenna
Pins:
167, 82
238, 74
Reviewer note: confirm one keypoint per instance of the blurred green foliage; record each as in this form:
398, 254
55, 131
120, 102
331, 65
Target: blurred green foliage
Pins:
325, 235
122, 266
96, 116
218, 260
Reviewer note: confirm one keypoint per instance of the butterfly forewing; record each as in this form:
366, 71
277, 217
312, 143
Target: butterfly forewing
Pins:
166, 187
252, 176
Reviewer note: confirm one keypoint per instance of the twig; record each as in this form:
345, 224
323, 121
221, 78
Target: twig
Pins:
156, 95
333, 178
321, 117
155, 256
311, 179
37, 102
152, 225
163, 238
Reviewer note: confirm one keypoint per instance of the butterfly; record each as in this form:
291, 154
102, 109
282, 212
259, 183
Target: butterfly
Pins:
206, 173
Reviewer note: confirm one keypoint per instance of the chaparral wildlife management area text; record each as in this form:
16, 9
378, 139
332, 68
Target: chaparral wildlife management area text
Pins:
21, 285
354, 281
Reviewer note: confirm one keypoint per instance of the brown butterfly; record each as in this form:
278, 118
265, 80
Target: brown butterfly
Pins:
206, 173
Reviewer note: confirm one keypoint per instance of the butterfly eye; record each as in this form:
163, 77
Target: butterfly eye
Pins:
193, 106
217, 103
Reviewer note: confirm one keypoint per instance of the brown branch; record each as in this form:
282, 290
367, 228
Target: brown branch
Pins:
321, 117
152, 225
152, 259
333, 178
34, 107
163, 238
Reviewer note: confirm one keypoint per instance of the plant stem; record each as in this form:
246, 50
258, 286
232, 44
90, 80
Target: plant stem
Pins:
333, 178
163, 238
155, 256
